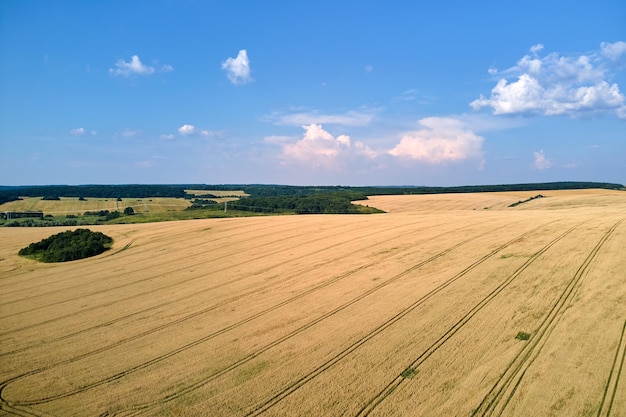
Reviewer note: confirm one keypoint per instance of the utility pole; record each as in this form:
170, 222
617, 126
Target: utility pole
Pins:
225, 206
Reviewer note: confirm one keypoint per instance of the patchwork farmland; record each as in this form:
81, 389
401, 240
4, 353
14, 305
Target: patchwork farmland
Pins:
447, 305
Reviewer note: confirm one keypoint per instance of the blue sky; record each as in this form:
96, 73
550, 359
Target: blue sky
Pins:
312, 92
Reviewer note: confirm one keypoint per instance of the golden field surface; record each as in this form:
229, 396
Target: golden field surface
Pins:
72, 205
446, 305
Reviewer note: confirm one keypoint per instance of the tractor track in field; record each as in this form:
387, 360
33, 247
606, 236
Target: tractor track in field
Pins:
196, 276
388, 390
102, 259
499, 396
345, 352
220, 304
396, 382
606, 405
155, 266
199, 276
247, 358
159, 265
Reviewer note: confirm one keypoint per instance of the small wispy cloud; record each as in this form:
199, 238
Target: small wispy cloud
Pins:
134, 66
167, 137
191, 130
238, 69
408, 95
613, 51
167, 68
368, 68
79, 131
130, 133
362, 117
149, 163
277, 139
541, 161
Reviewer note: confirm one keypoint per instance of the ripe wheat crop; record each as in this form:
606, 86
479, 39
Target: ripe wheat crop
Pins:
445, 305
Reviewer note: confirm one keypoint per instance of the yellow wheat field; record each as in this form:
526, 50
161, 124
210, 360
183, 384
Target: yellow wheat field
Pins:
421, 311
74, 206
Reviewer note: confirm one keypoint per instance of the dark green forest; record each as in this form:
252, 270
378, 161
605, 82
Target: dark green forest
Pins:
270, 198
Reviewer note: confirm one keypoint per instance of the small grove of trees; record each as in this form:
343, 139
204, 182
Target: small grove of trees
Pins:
68, 246
201, 203
108, 215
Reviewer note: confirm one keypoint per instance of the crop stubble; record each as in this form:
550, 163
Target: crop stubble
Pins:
409, 313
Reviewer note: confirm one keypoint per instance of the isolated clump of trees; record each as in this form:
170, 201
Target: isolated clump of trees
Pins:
68, 246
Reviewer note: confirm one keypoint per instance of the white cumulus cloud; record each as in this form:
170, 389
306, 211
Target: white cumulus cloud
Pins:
187, 130
541, 161
238, 69
557, 85
317, 146
135, 66
441, 140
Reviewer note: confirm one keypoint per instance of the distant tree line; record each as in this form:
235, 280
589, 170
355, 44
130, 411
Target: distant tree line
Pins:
68, 246
8, 193
94, 191
269, 190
